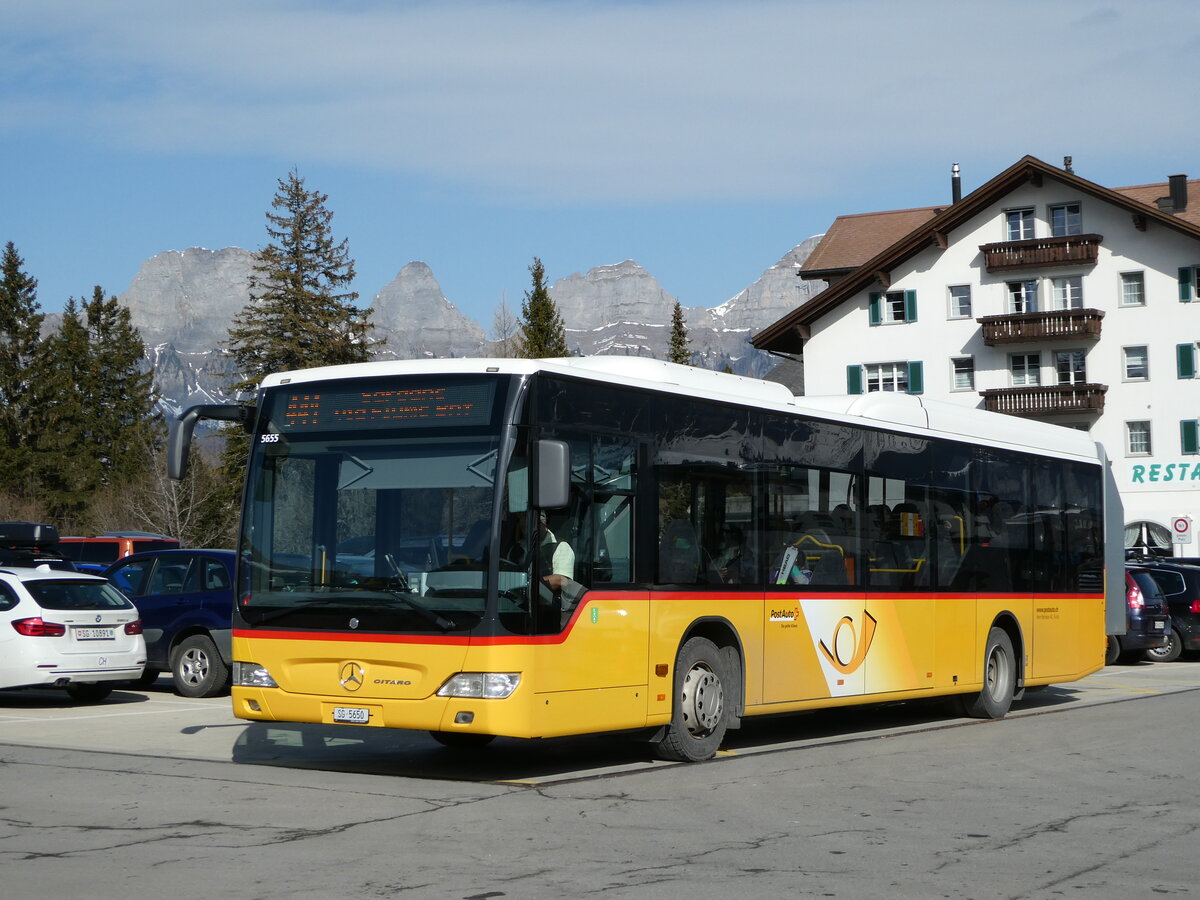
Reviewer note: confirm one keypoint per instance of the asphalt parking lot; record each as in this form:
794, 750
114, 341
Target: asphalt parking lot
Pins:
155, 722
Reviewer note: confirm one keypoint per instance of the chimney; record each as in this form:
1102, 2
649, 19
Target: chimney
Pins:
955, 184
1178, 192
1067, 165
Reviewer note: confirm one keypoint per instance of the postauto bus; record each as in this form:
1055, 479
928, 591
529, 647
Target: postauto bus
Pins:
535, 548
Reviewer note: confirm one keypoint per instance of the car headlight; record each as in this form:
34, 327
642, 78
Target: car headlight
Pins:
481, 685
248, 674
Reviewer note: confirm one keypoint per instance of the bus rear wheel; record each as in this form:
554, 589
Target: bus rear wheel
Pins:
999, 679
700, 714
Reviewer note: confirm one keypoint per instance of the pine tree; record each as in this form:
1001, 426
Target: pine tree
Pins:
543, 334
679, 351
301, 313
65, 469
20, 356
120, 395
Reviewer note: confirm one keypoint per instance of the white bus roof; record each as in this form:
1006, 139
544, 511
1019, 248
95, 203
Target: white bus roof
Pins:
905, 412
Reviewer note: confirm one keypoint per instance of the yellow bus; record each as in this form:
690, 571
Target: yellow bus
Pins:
537, 548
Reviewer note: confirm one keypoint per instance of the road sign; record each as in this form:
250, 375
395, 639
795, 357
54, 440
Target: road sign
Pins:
1181, 530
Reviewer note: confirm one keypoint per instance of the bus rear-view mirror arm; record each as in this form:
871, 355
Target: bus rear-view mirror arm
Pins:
180, 440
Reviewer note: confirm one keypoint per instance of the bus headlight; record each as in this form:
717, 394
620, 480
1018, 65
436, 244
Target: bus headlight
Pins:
481, 685
248, 674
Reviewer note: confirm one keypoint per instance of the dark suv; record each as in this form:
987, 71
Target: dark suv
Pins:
1147, 624
1181, 586
185, 598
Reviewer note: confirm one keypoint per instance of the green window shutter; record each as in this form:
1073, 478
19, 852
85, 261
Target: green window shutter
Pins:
1185, 360
1186, 273
875, 308
916, 377
1189, 436
910, 306
854, 380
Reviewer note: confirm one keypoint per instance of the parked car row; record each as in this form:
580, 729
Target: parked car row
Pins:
1162, 615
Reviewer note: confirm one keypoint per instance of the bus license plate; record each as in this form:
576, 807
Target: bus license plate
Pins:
95, 634
351, 715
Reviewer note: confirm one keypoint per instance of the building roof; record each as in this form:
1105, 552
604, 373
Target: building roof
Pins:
854, 239
865, 248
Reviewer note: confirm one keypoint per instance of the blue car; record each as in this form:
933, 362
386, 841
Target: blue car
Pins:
185, 598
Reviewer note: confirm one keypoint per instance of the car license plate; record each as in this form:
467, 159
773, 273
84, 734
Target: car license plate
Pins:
95, 634
1158, 626
351, 715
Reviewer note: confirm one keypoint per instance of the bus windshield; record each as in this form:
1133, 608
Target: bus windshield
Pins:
381, 528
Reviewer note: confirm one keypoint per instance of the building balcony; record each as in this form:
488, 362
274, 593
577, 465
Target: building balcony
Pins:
1040, 253
1045, 400
1055, 325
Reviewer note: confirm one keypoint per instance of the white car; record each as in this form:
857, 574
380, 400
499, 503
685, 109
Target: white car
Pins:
69, 630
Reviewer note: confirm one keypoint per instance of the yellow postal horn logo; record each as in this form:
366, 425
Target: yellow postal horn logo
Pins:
848, 653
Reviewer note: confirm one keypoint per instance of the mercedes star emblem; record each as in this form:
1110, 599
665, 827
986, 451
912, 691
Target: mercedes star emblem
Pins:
351, 676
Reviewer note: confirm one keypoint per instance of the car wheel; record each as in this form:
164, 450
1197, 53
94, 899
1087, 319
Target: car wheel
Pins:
700, 714
1168, 653
1112, 651
89, 691
999, 679
197, 667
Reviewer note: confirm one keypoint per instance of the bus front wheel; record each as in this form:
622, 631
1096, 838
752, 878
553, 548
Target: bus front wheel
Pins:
700, 713
999, 679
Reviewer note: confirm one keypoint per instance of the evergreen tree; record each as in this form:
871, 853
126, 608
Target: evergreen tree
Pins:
678, 351
543, 335
301, 313
20, 355
120, 393
65, 469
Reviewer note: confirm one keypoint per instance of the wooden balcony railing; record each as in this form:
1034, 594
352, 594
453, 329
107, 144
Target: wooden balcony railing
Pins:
1073, 250
1058, 324
1045, 400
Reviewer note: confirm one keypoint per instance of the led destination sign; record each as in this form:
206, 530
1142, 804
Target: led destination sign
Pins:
418, 406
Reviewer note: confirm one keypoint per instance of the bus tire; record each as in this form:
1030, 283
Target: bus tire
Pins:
999, 679
197, 668
462, 740
700, 711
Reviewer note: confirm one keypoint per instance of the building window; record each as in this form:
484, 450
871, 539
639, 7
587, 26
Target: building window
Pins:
1137, 363
1069, 366
1022, 296
1025, 369
1133, 289
1066, 293
893, 307
1018, 224
1137, 438
960, 301
1065, 220
963, 372
891, 376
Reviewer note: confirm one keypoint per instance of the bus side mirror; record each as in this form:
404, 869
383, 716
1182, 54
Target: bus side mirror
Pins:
179, 441
553, 475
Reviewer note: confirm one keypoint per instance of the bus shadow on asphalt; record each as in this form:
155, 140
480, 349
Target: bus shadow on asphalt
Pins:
389, 752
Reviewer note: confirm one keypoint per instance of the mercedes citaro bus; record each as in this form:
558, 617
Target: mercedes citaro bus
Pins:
535, 548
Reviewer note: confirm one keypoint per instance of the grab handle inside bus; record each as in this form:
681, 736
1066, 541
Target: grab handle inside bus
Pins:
553, 475
179, 441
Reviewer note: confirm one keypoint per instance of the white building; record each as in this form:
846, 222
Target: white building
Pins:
1040, 294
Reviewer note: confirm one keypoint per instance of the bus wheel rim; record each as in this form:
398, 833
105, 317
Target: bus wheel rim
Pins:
703, 700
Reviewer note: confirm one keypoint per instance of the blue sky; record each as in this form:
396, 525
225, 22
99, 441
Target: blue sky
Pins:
702, 139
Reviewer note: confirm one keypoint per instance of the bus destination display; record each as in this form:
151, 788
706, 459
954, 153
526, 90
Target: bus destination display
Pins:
425, 405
